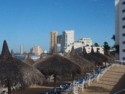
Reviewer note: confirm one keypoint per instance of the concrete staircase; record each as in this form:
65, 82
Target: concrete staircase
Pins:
107, 82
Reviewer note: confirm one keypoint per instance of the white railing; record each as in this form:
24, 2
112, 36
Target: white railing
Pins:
120, 92
80, 84
120, 61
90, 79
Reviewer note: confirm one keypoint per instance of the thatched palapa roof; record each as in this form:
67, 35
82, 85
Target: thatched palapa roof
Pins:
85, 65
92, 57
15, 71
58, 65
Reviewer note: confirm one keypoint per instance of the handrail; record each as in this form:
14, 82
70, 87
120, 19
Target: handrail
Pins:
123, 90
86, 79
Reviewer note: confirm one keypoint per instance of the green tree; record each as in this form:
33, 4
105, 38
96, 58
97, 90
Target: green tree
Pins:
116, 46
72, 51
96, 44
106, 47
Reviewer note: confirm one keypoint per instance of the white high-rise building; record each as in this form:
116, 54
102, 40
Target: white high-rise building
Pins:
67, 39
21, 49
120, 28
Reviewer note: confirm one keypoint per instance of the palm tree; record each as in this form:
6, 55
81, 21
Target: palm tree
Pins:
113, 37
106, 47
96, 45
117, 49
116, 46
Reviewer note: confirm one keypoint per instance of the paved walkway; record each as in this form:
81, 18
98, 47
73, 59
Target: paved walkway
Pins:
109, 81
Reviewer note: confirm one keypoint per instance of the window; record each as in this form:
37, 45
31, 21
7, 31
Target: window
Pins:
123, 11
123, 50
123, 3
123, 58
123, 34
123, 42
123, 26
123, 18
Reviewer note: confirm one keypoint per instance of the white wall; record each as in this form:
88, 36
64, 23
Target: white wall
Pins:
119, 30
89, 48
67, 38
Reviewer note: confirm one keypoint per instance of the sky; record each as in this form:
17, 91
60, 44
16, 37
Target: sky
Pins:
29, 22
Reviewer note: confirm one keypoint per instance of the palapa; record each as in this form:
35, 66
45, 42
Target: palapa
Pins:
103, 58
14, 71
29, 61
92, 57
58, 65
85, 65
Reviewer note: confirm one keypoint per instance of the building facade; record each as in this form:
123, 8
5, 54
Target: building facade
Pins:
59, 39
86, 41
67, 39
37, 50
53, 40
78, 44
58, 46
99, 49
21, 49
120, 28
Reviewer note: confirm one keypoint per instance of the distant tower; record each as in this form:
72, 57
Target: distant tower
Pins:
21, 49
120, 28
12, 53
53, 40
58, 46
67, 38
59, 39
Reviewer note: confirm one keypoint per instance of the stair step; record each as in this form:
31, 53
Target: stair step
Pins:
107, 82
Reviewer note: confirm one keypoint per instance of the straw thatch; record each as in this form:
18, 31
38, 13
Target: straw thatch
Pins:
97, 57
85, 65
111, 58
92, 57
29, 61
13, 71
58, 65
104, 58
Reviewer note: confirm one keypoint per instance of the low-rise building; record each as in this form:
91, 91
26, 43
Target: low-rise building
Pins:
78, 44
37, 50
99, 49
84, 42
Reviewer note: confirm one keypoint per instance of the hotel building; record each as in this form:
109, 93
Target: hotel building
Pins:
21, 49
67, 39
120, 28
53, 40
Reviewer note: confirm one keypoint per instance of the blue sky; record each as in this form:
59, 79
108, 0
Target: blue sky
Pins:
29, 22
